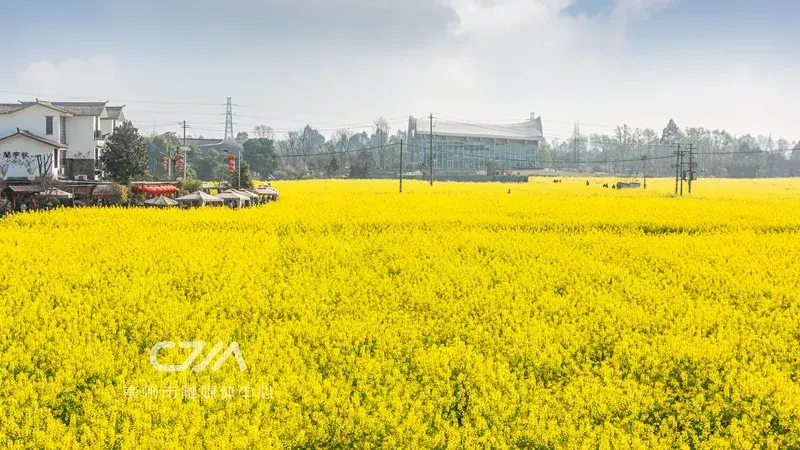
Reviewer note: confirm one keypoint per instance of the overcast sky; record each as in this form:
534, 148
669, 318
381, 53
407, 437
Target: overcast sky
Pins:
730, 64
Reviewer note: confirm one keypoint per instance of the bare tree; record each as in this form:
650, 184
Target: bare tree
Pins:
381, 138
624, 142
264, 132
5, 164
342, 139
310, 142
579, 144
290, 148
44, 163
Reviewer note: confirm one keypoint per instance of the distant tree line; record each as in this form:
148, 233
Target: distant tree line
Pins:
306, 152
718, 152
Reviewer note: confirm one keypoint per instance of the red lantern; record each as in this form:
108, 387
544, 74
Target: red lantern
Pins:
166, 163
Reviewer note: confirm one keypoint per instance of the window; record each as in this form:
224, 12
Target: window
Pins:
55, 158
63, 131
96, 123
48, 125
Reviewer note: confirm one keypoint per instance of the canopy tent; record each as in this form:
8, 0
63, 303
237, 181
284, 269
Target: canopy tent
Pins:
161, 201
231, 196
56, 193
267, 191
198, 198
246, 193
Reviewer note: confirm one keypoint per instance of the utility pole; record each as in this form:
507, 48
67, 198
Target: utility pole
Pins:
644, 170
677, 167
576, 143
431, 149
683, 174
185, 155
691, 166
401, 166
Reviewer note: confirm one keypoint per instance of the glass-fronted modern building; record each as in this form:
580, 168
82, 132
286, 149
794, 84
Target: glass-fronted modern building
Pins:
472, 147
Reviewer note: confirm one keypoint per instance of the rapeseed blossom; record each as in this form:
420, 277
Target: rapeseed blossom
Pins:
452, 316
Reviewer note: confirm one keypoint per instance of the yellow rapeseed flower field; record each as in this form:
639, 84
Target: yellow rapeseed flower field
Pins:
452, 316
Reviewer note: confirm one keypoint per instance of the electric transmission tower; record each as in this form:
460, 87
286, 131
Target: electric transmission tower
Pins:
229, 121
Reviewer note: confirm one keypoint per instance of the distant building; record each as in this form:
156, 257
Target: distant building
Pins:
469, 146
62, 139
219, 145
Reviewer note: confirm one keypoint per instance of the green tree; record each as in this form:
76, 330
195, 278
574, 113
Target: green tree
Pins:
246, 183
671, 134
190, 185
332, 167
260, 154
126, 154
159, 146
208, 164
362, 166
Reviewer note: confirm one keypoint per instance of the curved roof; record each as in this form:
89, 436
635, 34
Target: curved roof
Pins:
11, 108
83, 108
115, 112
69, 108
528, 130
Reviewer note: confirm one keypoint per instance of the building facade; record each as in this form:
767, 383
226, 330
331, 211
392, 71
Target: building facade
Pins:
58, 139
460, 146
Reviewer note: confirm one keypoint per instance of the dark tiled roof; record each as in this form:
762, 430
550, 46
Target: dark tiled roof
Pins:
10, 108
30, 135
7, 108
114, 112
43, 103
82, 108
24, 188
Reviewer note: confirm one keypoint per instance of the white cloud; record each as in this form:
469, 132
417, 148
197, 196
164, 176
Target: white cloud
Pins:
96, 78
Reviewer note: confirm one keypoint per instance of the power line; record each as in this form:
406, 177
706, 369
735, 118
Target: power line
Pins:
561, 161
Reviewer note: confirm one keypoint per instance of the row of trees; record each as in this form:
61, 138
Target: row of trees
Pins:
718, 152
130, 156
307, 152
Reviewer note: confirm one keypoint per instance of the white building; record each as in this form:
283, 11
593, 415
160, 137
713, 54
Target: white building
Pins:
63, 139
463, 146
